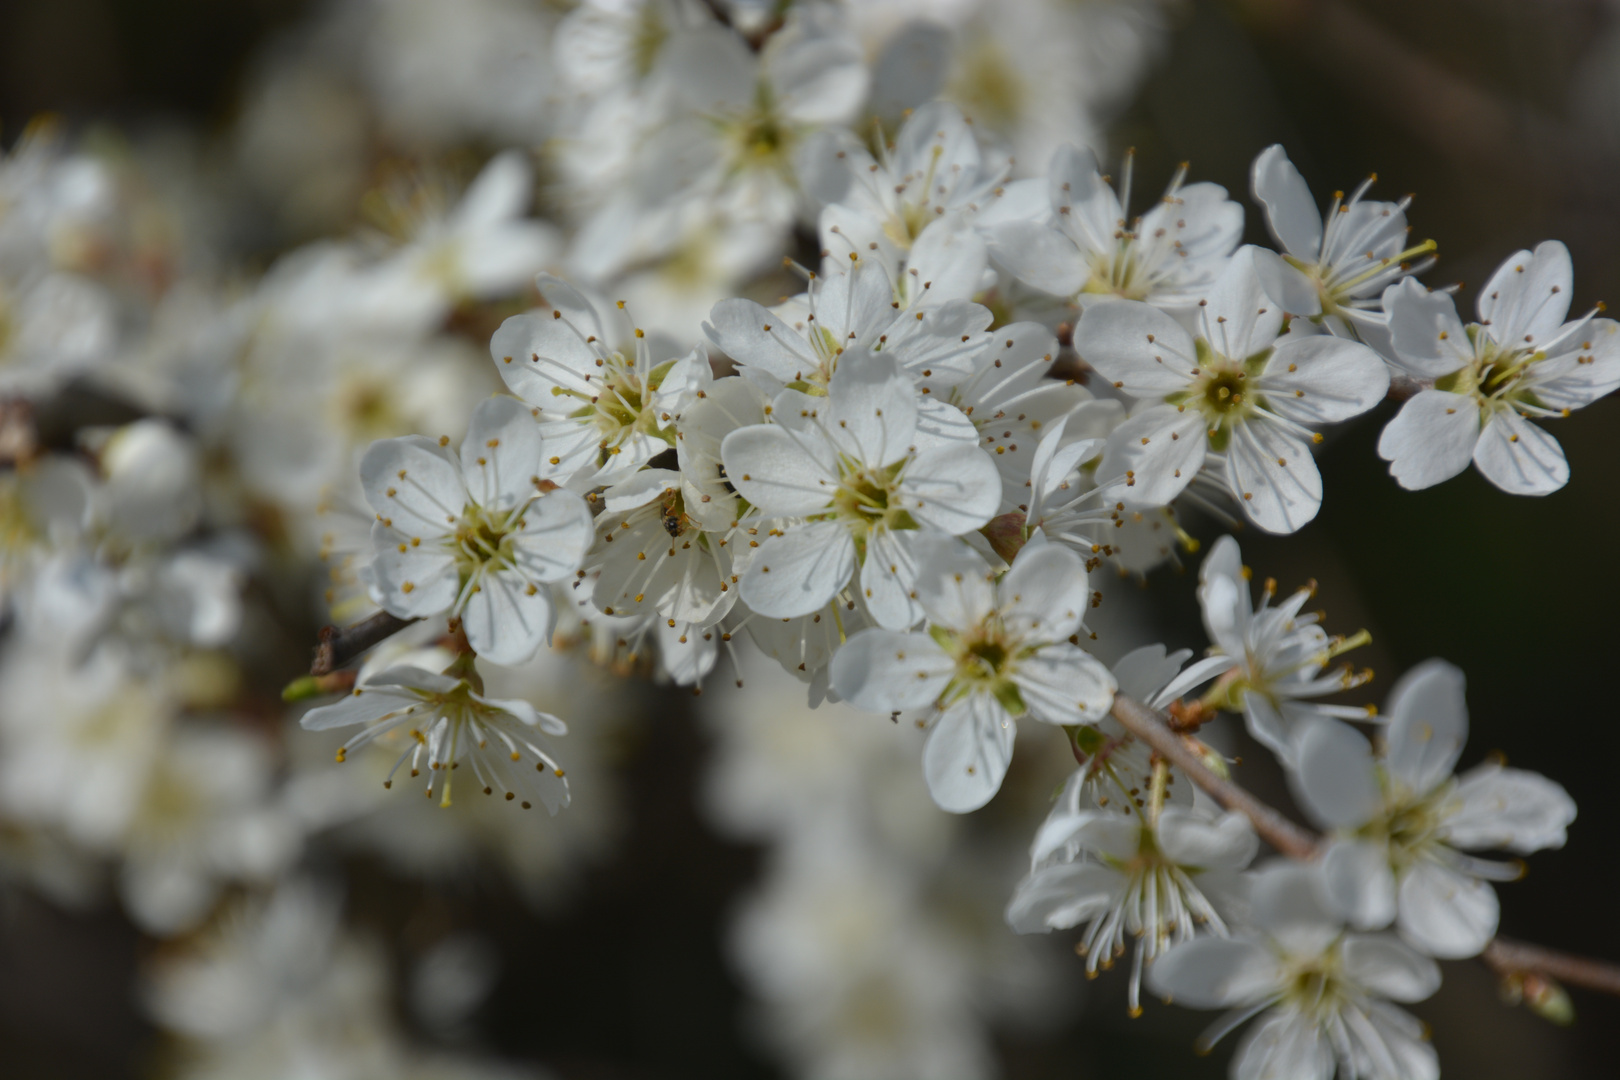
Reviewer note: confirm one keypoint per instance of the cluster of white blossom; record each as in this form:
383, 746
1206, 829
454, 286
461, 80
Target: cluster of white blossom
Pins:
906, 482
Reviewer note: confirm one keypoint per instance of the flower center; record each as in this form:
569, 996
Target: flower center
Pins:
1120, 272
1221, 391
1493, 378
869, 498
985, 661
1316, 985
368, 410
622, 408
482, 537
1410, 825
991, 82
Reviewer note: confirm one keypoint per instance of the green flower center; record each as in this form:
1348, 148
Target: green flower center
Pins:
1494, 377
1410, 825
1221, 391
621, 407
867, 499
986, 659
483, 537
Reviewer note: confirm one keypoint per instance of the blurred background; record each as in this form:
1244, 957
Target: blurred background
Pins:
635, 939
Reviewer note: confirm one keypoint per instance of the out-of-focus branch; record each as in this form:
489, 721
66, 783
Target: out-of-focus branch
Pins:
1508, 958
1153, 728
340, 644
31, 425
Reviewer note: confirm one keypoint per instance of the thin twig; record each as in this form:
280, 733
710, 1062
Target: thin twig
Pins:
1504, 956
1150, 726
1508, 957
340, 644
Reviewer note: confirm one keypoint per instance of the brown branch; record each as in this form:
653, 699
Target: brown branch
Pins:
341, 644
1508, 958
1150, 726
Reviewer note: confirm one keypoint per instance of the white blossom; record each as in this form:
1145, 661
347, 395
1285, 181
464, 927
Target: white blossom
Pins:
1085, 250
851, 309
1520, 361
1116, 771
865, 486
1323, 996
1401, 821
444, 721
993, 652
1334, 266
1275, 656
477, 536
1231, 394
913, 204
605, 394
1143, 876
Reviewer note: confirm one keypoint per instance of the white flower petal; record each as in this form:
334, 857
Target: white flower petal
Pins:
1579, 377
779, 470
500, 192
362, 705
1446, 914
955, 585
1215, 973
1291, 213
1388, 967
1286, 284
755, 337
553, 536
1431, 439
1153, 456
798, 573
414, 581
1191, 838
1286, 897
414, 484
1063, 684
1428, 725
538, 352
1286, 1043
1525, 301
1044, 596
954, 488
1143, 671
946, 266
1428, 337
1273, 477
1360, 883
1334, 777
500, 456
1519, 457
1268, 724
871, 410
506, 619
1058, 897
1136, 347
1083, 203
1323, 379
889, 577
967, 754
1039, 256
1237, 317
885, 671
1509, 808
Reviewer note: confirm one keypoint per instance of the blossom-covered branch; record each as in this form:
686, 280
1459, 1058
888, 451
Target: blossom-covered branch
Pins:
1506, 956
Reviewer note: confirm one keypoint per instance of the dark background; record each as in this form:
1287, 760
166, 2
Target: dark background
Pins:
1502, 115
